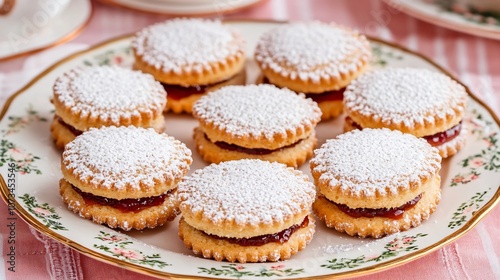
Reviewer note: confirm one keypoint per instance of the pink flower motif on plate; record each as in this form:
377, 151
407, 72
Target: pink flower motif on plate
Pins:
371, 257
477, 162
458, 179
132, 255
407, 240
471, 177
42, 212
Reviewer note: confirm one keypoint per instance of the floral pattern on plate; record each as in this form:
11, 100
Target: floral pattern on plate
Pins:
391, 249
119, 247
44, 212
487, 159
239, 270
152, 250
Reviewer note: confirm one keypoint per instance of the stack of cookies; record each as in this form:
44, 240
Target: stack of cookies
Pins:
251, 205
105, 96
246, 211
421, 102
190, 57
256, 121
318, 59
374, 182
124, 177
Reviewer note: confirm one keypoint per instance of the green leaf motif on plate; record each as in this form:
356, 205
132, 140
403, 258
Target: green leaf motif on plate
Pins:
238, 271
17, 123
118, 57
466, 210
117, 246
488, 159
23, 160
44, 212
381, 55
392, 249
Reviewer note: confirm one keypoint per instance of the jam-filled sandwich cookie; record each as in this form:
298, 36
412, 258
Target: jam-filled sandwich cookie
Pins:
318, 59
124, 177
256, 121
104, 96
421, 102
247, 211
190, 57
375, 182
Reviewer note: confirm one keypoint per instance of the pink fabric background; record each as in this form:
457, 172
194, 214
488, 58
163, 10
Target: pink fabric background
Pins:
473, 59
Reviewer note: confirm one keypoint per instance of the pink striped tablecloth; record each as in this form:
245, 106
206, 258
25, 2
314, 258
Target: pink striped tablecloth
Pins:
474, 60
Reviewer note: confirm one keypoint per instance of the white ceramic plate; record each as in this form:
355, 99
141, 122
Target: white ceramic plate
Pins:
456, 19
470, 184
36, 25
184, 8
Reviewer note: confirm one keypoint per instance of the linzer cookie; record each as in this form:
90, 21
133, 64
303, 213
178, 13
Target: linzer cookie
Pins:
421, 102
124, 177
190, 57
256, 121
318, 59
104, 96
246, 211
374, 182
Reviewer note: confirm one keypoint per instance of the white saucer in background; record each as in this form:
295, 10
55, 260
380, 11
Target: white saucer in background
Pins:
184, 7
36, 25
465, 22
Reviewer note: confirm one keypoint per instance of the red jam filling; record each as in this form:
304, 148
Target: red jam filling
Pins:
332, 95
177, 92
352, 123
445, 136
73, 130
250, 151
125, 205
280, 237
391, 213
434, 140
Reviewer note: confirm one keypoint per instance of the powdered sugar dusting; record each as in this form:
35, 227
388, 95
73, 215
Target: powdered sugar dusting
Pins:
126, 157
187, 44
371, 161
405, 95
311, 51
110, 92
247, 192
257, 110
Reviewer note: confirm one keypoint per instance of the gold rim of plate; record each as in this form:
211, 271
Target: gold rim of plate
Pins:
478, 216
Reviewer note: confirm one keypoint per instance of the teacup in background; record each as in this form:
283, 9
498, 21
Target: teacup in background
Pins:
28, 19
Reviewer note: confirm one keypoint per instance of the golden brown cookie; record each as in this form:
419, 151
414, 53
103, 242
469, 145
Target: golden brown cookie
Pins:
293, 155
374, 182
181, 100
256, 121
246, 211
190, 57
124, 177
421, 102
318, 59
90, 97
